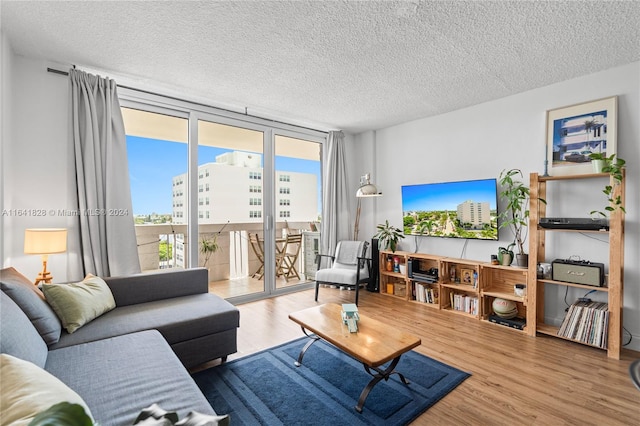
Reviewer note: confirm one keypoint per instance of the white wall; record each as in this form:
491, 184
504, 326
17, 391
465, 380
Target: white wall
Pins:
6, 58
37, 159
480, 141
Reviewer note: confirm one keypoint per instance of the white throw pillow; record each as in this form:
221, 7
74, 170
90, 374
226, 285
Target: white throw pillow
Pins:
79, 303
28, 390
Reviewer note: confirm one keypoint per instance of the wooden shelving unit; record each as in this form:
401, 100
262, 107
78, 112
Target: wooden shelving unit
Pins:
537, 245
464, 287
460, 279
499, 281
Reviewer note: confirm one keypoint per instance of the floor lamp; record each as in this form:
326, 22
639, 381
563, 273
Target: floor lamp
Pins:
367, 189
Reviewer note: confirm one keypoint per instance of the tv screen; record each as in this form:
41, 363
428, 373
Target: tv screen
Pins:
466, 209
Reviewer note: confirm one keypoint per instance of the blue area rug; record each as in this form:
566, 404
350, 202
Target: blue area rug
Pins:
266, 388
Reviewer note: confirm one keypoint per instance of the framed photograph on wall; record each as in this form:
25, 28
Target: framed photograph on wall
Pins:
575, 131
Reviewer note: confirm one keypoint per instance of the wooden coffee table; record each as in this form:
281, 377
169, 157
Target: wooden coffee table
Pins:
375, 343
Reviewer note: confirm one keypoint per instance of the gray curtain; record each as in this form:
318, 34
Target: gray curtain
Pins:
336, 220
107, 233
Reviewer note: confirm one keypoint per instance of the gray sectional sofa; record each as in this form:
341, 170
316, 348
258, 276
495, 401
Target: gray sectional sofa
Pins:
132, 356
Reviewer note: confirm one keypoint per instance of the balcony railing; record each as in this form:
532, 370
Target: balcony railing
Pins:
234, 257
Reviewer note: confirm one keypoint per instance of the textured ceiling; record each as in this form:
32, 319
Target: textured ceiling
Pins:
332, 64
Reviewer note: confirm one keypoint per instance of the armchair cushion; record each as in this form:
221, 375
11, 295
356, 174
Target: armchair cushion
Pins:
341, 275
347, 252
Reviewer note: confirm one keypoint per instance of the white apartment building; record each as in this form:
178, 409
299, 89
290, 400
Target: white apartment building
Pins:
477, 214
230, 190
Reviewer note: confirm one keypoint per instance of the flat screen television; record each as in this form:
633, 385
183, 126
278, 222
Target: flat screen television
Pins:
466, 209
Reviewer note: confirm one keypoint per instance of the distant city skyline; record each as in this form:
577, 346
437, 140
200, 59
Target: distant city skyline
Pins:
153, 163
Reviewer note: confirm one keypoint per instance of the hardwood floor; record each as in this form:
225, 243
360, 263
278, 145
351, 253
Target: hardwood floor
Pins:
516, 379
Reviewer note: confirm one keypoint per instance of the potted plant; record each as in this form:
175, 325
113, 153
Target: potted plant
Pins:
388, 236
612, 165
515, 215
505, 254
208, 246
598, 160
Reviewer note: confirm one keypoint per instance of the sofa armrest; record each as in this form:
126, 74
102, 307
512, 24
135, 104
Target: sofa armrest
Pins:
141, 288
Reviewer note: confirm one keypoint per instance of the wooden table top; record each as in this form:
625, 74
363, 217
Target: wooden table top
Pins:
374, 344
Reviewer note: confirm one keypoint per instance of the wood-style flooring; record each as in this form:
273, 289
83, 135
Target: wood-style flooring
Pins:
516, 379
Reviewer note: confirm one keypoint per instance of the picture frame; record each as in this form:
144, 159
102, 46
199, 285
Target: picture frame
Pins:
575, 131
466, 276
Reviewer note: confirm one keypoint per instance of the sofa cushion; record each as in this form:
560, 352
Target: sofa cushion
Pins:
18, 336
28, 389
120, 376
31, 300
79, 303
178, 319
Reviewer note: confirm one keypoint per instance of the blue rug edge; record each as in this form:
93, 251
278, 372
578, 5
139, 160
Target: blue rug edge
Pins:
460, 375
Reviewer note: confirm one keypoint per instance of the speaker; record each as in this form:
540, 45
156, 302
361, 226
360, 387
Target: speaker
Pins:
374, 282
578, 272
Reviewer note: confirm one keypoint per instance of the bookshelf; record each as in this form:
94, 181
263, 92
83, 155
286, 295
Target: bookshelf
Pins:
537, 245
460, 286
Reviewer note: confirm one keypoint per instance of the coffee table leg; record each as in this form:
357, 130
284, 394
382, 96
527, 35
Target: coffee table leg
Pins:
313, 338
380, 374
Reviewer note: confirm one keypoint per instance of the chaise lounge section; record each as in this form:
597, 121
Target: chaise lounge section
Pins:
130, 357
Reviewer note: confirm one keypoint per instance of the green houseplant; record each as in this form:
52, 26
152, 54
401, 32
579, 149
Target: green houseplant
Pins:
612, 165
516, 213
388, 236
208, 246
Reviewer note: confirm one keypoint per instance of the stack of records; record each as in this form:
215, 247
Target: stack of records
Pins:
586, 322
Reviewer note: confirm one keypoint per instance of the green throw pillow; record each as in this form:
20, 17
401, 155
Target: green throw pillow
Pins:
77, 304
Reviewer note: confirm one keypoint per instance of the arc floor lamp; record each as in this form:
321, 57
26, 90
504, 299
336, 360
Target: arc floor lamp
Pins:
366, 190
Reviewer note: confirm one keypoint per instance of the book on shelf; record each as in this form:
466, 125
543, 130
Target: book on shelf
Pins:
464, 303
587, 322
425, 293
517, 323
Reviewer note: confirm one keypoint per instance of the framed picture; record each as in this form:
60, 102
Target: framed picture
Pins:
574, 132
466, 276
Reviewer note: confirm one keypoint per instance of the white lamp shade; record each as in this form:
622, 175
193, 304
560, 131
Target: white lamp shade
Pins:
369, 190
45, 240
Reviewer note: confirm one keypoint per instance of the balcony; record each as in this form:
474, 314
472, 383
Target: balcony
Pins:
232, 265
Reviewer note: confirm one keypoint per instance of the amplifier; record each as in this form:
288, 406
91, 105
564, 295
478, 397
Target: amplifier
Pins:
578, 272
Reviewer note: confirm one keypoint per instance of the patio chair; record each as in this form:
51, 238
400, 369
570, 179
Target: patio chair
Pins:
258, 248
349, 267
287, 257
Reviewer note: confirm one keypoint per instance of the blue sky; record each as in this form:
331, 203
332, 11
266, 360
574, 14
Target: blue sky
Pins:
447, 195
153, 163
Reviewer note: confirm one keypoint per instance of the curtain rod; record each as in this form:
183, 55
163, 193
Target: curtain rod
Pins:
246, 114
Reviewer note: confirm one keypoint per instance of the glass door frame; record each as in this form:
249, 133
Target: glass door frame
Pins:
193, 111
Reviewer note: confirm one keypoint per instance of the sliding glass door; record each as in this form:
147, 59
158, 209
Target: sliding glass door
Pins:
237, 196
157, 148
298, 192
230, 207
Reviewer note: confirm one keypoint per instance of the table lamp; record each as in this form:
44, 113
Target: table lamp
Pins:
366, 189
45, 241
